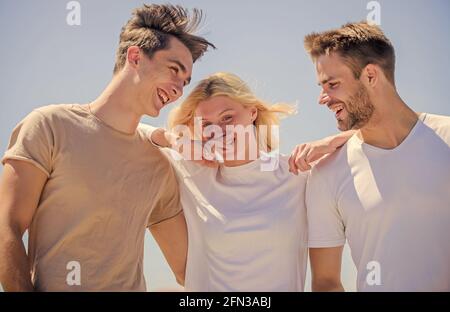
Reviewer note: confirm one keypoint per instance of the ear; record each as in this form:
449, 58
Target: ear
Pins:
254, 113
133, 56
370, 75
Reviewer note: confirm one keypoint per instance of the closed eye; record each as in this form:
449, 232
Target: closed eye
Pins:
333, 85
227, 118
175, 69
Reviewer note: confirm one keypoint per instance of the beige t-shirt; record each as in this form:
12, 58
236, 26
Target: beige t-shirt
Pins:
104, 188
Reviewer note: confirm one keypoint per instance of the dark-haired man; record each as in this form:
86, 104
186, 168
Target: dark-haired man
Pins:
85, 181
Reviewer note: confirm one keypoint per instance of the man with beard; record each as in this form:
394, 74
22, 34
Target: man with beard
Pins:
386, 191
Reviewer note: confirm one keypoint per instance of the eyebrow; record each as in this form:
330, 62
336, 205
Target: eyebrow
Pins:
321, 83
183, 69
225, 110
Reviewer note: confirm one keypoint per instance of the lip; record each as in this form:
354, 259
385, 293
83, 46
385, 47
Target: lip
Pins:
161, 99
337, 108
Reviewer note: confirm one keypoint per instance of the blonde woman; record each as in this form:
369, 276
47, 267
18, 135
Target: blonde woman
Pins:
246, 217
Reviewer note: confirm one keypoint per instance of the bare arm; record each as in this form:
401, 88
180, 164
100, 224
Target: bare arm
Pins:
304, 155
163, 138
171, 236
20, 189
326, 268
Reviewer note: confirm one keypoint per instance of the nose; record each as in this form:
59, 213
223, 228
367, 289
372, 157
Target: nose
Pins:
324, 98
177, 91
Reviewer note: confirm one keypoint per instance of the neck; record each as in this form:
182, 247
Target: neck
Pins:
251, 154
236, 163
390, 123
115, 106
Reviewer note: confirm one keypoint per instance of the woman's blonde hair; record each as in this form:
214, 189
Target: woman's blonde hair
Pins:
230, 85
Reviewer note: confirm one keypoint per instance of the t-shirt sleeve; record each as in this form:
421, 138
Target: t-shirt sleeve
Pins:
168, 204
32, 141
146, 130
325, 225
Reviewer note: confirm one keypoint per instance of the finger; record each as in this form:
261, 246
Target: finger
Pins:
300, 157
291, 162
303, 165
300, 161
301, 154
196, 149
313, 155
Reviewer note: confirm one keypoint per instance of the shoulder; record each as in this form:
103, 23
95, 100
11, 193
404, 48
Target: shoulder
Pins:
57, 114
330, 172
56, 110
145, 130
43, 117
440, 124
436, 122
331, 164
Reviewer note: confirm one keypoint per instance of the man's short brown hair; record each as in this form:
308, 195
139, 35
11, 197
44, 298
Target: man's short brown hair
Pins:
359, 44
151, 27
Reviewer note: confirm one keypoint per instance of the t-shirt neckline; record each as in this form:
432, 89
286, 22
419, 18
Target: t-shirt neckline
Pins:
405, 141
242, 169
105, 125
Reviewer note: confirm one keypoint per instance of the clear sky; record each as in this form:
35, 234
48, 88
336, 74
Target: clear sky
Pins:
44, 61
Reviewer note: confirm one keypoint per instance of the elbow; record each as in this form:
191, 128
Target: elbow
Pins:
327, 285
179, 276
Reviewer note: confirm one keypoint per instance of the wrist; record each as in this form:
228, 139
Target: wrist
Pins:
158, 139
340, 139
171, 139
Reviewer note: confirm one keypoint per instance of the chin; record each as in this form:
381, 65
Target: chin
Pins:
153, 114
342, 125
151, 111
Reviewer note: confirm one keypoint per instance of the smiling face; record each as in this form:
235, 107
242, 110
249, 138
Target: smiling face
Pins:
160, 79
223, 111
344, 95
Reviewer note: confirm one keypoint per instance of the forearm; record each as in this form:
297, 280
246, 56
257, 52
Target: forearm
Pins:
172, 238
326, 268
327, 286
341, 138
14, 267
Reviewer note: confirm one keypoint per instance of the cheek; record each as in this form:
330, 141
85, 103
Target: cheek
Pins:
339, 95
243, 119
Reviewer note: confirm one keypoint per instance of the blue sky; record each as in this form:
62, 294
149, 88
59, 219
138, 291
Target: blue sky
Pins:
45, 61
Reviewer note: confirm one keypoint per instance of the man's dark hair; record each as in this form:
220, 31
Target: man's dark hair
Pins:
151, 27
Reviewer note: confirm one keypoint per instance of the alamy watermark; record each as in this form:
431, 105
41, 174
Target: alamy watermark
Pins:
229, 143
73, 18
73, 278
374, 15
373, 277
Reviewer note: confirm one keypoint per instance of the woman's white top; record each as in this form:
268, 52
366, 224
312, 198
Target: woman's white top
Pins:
246, 224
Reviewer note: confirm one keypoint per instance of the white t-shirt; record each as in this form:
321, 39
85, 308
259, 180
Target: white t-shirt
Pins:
392, 206
247, 226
